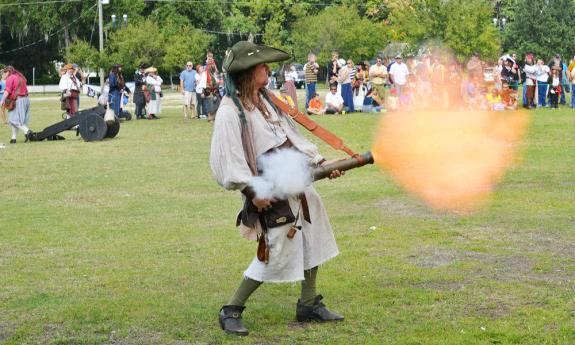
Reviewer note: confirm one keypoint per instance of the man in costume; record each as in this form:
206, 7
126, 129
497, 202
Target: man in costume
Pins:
140, 86
70, 87
248, 126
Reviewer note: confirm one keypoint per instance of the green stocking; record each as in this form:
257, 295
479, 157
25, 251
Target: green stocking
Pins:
244, 291
308, 292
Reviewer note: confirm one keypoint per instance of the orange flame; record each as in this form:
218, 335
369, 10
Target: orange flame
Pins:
450, 159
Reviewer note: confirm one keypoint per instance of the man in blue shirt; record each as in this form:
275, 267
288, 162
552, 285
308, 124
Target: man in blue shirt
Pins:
188, 88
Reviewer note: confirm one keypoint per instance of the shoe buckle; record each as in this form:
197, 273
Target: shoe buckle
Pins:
236, 315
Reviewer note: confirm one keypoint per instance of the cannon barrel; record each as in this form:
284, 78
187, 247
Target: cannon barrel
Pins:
343, 165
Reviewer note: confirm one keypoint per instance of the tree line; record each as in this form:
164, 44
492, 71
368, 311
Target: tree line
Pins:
167, 34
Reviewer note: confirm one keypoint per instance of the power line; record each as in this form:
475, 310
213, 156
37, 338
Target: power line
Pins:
49, 35
37, 2
245, 2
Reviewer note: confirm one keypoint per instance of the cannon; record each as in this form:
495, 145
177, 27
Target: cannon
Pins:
90, 126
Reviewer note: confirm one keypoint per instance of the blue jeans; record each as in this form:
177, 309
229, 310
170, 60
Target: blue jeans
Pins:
310, 91
541, 93
572, 96
524, 87
562, 99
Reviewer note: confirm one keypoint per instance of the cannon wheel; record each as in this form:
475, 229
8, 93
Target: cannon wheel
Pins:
92, 128
113, 129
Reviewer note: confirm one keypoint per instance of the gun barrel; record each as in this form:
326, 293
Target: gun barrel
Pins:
343, 165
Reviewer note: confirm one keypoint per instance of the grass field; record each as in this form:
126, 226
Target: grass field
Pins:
131, 241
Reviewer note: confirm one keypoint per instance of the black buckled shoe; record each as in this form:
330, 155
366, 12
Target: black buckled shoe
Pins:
316, 312
29, 136
231, 320
12, 141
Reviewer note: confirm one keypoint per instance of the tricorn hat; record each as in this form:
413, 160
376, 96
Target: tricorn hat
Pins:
151, 70
244, 55
143, 65
68, 66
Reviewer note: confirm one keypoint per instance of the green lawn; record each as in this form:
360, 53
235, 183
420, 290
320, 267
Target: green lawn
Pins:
131, 241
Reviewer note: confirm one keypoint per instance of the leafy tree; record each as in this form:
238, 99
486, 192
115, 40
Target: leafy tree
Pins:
462, 26
136, 43
83, 54
190, 44
339, 28
542, 27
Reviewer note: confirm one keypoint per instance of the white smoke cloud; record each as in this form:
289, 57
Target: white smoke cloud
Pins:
286, 172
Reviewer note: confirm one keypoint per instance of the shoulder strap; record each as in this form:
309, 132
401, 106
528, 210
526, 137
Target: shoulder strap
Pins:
320, 132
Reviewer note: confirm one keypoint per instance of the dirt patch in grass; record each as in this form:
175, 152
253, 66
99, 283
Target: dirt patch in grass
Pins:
491, 266
404, 208
6, 331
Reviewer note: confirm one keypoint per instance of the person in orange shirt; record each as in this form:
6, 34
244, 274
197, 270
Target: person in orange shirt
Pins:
316, 106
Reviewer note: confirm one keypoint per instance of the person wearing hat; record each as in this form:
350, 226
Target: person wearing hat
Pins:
154, 86
140, 85
246, 127
398, 75
70, 87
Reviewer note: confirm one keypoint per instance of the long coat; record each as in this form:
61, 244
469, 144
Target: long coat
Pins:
315, 243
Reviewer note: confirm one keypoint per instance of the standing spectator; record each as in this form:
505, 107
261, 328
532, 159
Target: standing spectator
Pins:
423, 74
333, 68
154, 85
201, 78
555, 86
3, 74
398, 75
290, 75
333, 101
70, 87
81, 77
475, 67
542, 79
140, 85
558, 64
497, 73
510, 73
211, 91
530, 70
359, 88
378, 76
16, 91
188, 88
117, 86
345, 81
571, 76
311, 68
437, 82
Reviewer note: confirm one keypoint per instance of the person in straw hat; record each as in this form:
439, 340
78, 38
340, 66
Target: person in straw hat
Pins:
70, 87
247, 127
154, 86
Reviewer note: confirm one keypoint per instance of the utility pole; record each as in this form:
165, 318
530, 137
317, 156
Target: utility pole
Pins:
101, 37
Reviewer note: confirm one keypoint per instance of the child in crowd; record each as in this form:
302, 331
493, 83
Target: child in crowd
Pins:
392, 100
494, 100
315, 106
508, 96
554, 87
285, 97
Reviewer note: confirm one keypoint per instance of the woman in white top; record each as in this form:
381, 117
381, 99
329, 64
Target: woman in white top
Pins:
290, 75
154, 85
